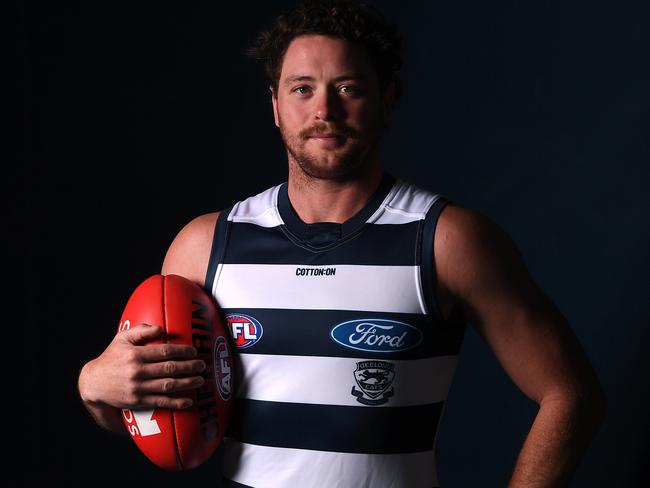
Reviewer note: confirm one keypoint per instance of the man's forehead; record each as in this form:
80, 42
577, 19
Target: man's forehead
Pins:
308, 56
305, 77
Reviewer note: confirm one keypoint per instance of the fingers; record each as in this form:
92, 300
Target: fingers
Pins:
159, 352
161, 392
162, 401
170, 385
171, 369
167, 378
165, 352
141, 333
154, 375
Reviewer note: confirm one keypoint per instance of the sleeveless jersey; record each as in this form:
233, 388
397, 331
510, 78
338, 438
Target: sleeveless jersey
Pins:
343, 360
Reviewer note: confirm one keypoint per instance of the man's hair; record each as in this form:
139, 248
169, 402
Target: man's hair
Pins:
347, 19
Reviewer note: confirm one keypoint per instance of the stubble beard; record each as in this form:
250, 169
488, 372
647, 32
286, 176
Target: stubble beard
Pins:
342, 166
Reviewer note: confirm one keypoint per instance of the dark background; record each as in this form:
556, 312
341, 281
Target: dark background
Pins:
135, 118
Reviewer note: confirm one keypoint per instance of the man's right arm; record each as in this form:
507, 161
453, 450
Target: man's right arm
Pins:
129, 374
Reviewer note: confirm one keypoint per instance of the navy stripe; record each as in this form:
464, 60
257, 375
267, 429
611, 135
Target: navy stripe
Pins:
226, 483
219, 239
427, 269
369, 430
307, 333
374, 244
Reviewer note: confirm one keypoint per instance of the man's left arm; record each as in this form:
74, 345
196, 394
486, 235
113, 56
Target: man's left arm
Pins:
482, 270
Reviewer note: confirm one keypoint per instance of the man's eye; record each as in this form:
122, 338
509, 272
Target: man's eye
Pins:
350, 89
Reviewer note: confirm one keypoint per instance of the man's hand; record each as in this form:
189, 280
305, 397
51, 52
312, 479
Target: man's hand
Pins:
129, 374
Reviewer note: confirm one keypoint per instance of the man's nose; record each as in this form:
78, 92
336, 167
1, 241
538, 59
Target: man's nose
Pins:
328, 105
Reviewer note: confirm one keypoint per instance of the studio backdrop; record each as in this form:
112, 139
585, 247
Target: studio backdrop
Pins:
134, 119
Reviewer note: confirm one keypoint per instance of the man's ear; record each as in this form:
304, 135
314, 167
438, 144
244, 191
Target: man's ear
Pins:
274, 101
388, 102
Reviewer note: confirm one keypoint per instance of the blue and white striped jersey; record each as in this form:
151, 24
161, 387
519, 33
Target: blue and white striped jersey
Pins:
343, 359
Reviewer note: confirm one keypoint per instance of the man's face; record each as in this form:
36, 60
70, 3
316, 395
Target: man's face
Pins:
328, 86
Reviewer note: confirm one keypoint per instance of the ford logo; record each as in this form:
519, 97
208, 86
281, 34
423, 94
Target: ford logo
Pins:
376, 335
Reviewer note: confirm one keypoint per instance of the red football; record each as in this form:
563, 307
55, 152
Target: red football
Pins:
183, 439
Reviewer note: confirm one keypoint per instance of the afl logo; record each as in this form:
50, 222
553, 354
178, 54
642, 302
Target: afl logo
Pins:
222, 362
244, 329
376, 335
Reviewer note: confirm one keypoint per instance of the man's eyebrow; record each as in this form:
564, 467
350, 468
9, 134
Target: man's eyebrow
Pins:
352, 76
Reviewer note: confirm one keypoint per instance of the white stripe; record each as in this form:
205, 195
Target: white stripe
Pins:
217, 274
398, 216
260, 209
276, 378
405, 203
275, 467
380, 210
420, 291
352, 287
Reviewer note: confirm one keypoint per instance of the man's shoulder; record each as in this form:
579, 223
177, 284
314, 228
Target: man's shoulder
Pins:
470, 248
463, 232
458, 224
189, 253
199, 229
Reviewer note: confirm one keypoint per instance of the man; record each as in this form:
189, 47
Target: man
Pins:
354, 288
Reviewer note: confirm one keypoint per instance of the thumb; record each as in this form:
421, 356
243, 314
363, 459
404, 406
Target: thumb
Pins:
141, 333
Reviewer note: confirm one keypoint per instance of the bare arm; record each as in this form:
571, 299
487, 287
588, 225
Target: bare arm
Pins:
480, 267
129, 374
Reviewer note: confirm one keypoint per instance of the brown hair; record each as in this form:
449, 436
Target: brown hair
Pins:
347, 19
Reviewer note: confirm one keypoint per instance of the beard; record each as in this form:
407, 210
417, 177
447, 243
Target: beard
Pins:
341, 161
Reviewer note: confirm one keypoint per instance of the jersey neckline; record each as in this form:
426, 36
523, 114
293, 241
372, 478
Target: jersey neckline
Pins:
321, 234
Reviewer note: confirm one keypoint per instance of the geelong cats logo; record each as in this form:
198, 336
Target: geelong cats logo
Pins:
374, 378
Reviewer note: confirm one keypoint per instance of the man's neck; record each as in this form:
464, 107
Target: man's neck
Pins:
320, 200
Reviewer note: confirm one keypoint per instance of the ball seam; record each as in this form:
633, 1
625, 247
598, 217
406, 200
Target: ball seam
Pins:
179, 456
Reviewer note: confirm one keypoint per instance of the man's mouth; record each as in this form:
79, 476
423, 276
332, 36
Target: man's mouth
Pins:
326, 136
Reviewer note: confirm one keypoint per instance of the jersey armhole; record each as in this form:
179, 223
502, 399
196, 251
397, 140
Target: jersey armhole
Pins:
427, 262
218, 250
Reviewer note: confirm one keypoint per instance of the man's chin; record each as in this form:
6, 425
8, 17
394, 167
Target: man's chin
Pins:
334, 164
332, 171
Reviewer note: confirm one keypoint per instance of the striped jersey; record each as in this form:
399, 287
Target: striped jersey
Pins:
343, 360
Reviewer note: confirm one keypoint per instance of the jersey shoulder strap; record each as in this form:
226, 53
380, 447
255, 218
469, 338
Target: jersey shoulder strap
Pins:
219, 240
427, 262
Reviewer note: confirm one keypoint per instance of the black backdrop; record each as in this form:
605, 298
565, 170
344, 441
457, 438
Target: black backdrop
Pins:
133, 119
